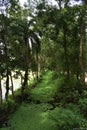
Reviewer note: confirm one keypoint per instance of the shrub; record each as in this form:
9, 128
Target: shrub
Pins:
45, 90
5, 110
72, 107
26, 95
32, 117
66, 119
9, 106
67, 90
83, 103
83, 106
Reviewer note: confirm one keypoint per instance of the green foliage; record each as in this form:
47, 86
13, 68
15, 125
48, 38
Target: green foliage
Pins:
32, 117
9, 105
17, 96
32, 83
67, 120
43, 116
25, 96
45, 89
57, 87
60, 47
68, 90
83, 103
40, 117
73, 107
83, 106
6, 109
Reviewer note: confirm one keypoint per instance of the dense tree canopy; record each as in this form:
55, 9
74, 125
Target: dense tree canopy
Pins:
49, 37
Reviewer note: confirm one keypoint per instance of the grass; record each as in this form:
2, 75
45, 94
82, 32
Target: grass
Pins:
42, 116
31, 117
35, 116
46, 89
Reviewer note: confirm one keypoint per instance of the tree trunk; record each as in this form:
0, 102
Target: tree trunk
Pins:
7, 73
27, 58
65, 54
0, 93
21, 76
25, 80
6, 62
37, 73
81, 53
7, 85
59, 4
12, 86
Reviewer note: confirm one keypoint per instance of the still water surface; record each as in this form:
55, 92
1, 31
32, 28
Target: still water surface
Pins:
16, 83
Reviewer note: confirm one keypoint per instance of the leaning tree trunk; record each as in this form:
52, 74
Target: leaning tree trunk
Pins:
0, 93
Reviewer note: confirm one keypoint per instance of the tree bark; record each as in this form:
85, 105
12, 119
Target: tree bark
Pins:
37, 59
21, 76
7, 69
81, 53
0, 93
59, 4
65, 54
12, 86
25, 80
7, 85
27, 57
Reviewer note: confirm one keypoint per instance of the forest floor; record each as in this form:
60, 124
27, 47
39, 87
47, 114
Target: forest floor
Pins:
40, 114
31, 117
35, 115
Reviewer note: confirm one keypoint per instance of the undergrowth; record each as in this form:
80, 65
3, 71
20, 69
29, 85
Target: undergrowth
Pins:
37, 112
